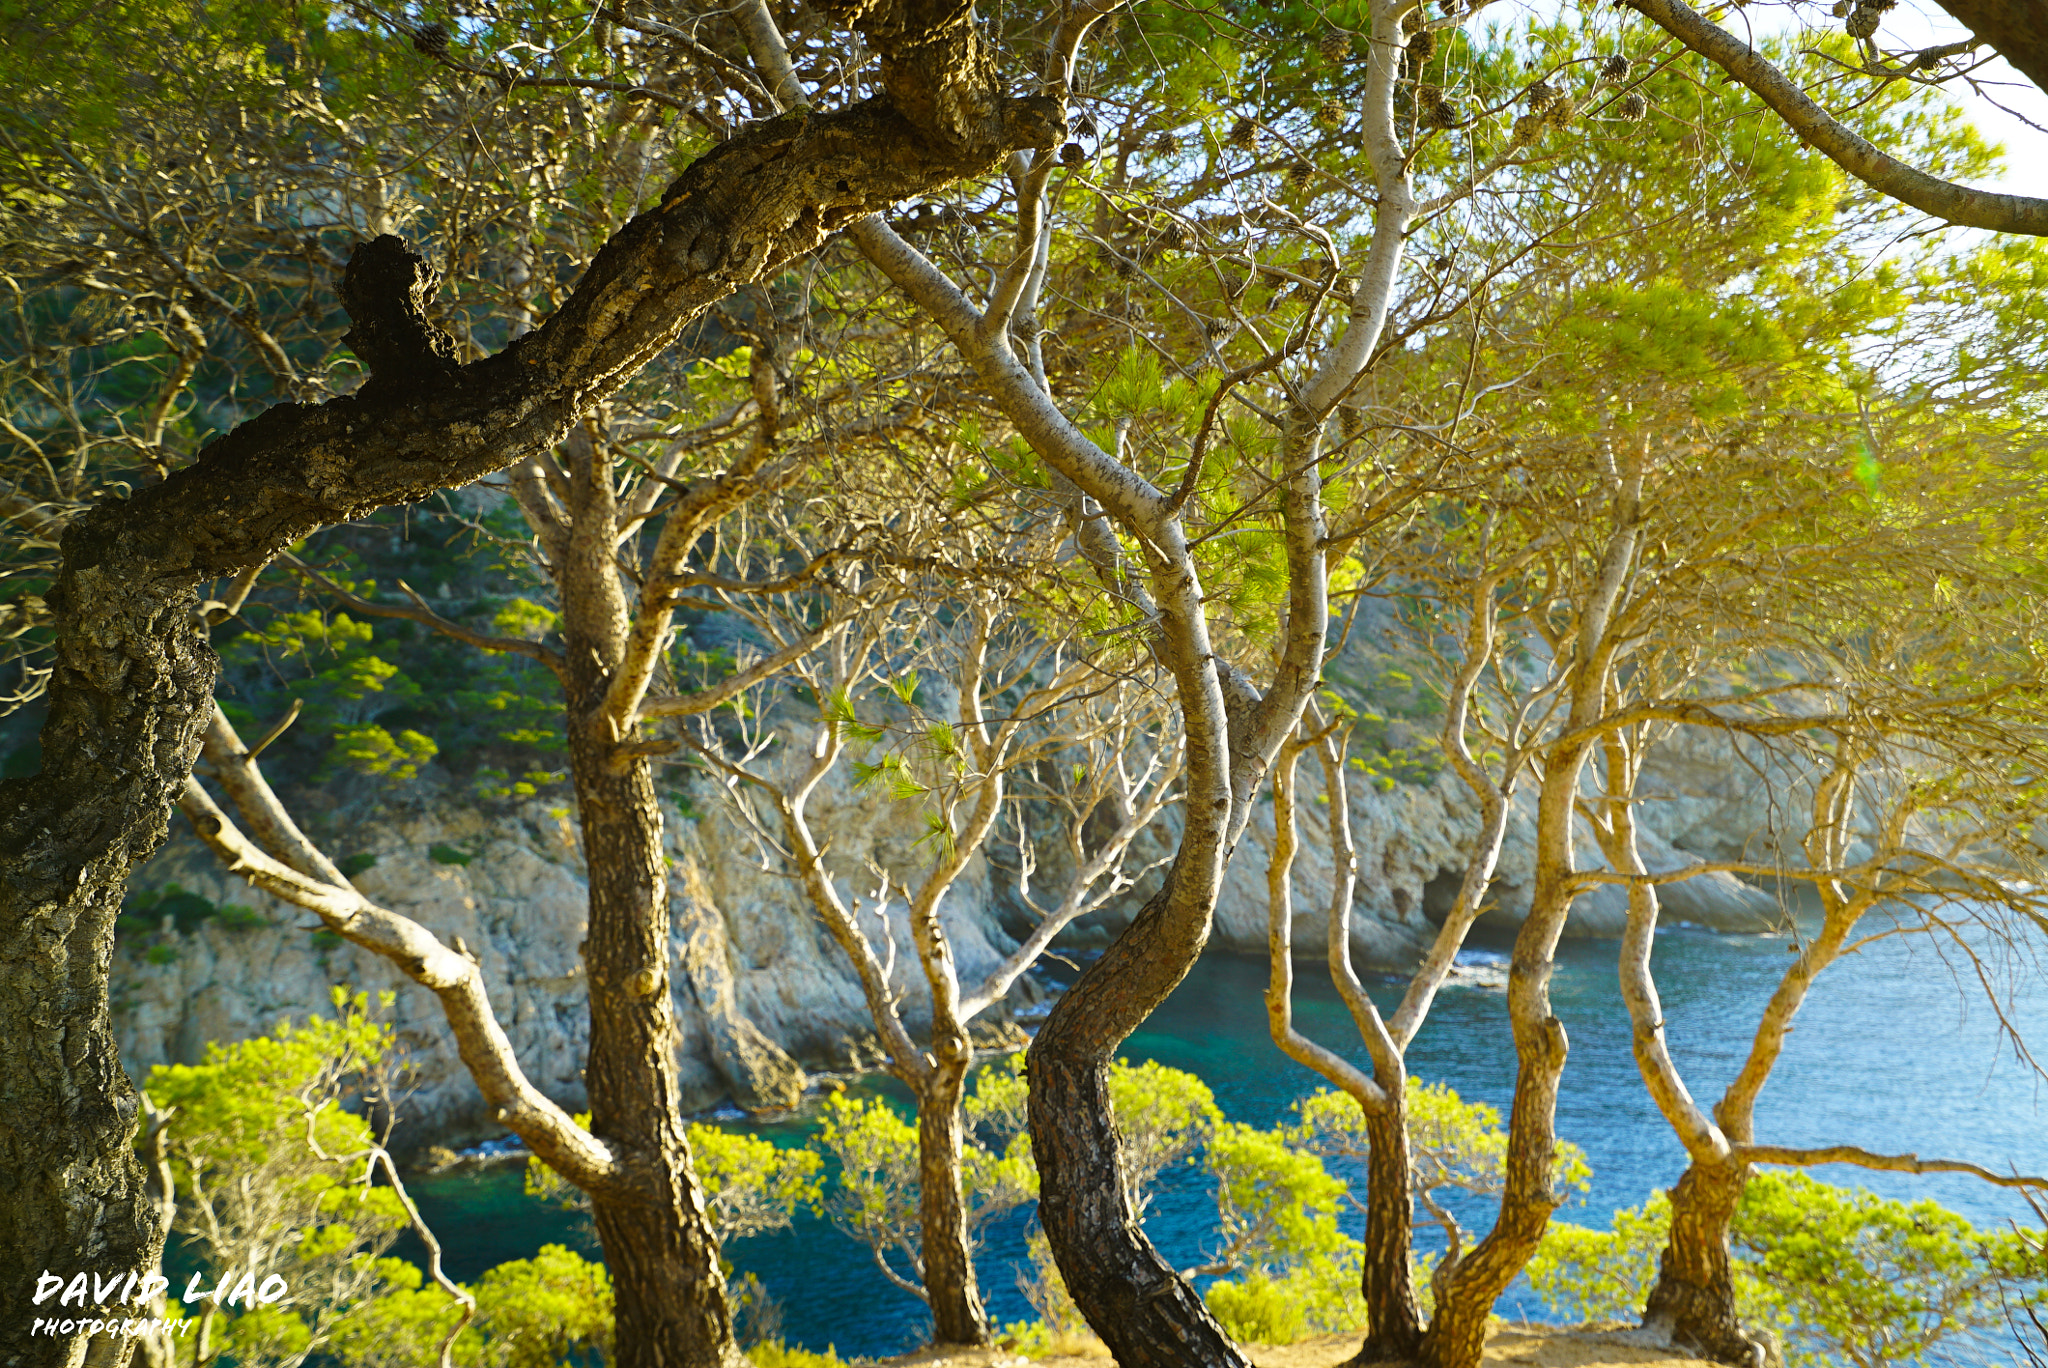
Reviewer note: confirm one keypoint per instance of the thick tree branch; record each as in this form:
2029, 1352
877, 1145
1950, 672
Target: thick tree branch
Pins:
450, 975
1958, 204
132, 683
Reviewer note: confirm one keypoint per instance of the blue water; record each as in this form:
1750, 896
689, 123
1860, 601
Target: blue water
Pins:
1895, 1051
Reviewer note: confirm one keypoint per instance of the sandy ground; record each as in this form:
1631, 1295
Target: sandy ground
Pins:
1536, 1346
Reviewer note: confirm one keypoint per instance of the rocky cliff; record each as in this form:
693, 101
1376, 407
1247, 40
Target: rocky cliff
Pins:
763, 995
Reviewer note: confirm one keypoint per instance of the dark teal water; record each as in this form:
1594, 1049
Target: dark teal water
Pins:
1896, 1051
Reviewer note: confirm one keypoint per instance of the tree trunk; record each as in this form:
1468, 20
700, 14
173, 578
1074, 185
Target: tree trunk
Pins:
1694, 1300
1146, 1313
957, 1313
130, 696
670, 1306
657, 1238
1466, 1292
128, 703
1393, 1328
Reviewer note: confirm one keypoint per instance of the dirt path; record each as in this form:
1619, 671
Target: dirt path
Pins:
1532, 1347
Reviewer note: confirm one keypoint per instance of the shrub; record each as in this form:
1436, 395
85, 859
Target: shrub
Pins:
776, 1354
1841, 1274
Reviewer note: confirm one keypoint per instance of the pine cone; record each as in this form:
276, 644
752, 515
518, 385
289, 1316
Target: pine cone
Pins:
1350, 422
1529, 127
1329, 114
1216, 329
1862, 21
1436, 111
1334, 48
1422, 45
432, 39
1298, 173
1166, 144
1072, 155
1615, 68
1541, 96
1563, 111
1634, 107
1244, 134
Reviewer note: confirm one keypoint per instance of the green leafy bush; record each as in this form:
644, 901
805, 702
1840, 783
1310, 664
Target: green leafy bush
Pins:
272, 1176
551, 1309
1841, 1275
775, 1354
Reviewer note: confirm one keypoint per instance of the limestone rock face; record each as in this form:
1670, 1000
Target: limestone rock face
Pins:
763, 994
1413, 842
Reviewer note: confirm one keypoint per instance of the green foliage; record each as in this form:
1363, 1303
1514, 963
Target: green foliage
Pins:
1454, 1144
1163, 1116
326, 664
1841, 1274
1875, 1281
1276, 1205
272, 1172
750, 1185
1319, 1297
1587, 1274
776, 1354
369, 750
145, 909
1276, 1208
874, 1199
449, 855
530, 1313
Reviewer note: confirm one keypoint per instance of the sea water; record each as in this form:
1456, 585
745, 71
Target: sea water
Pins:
1898, 1050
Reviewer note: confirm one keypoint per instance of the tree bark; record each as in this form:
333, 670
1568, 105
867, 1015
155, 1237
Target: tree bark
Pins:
957, 1313
1694, 1299
657, 1237
1393, 1329
1466, 1291
1147, 1315
658, 1242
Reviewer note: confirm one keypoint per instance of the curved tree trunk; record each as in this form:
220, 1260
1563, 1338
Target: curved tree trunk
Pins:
1693, 1301
1147, 1314
957, 1313
1466, 1291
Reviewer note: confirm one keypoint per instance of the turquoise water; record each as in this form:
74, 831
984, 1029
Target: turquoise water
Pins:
1896, 1051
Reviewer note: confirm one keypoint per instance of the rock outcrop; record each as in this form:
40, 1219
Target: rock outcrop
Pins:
763, 995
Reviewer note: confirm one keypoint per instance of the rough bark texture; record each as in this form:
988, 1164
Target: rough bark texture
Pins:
658, 1242
957, 1313
130, 696
1694, 1299
1147, 1314
1393, 1320
2017, 29
1466, 1292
